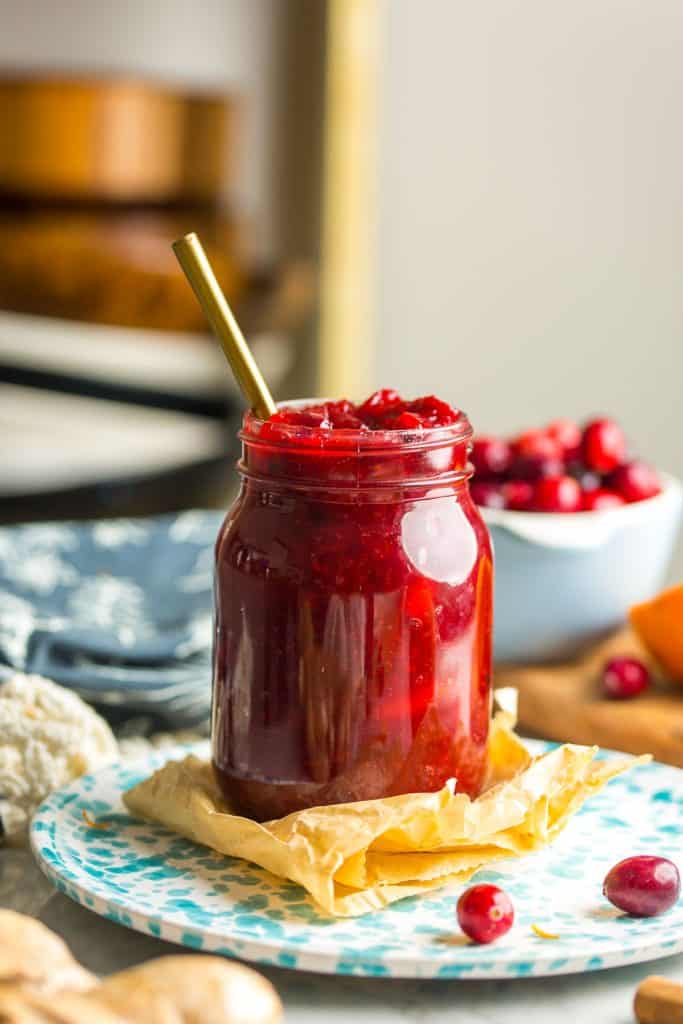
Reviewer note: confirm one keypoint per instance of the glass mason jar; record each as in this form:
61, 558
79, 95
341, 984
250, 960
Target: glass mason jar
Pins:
353, 615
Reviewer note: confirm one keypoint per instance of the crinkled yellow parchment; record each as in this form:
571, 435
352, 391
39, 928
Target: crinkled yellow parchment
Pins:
358, 857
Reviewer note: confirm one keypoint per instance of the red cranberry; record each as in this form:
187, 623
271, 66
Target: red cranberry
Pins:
635, 481
314, 416
490, 457
567, 434
433, 411
379, 404
406, 421
488, 494
557, 494
625, 677
603, 445
643, 886
596, 501
535, 467
343, 416
519, 495
485, 913
538, 444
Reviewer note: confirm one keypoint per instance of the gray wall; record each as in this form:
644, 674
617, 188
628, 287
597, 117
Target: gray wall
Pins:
531, 226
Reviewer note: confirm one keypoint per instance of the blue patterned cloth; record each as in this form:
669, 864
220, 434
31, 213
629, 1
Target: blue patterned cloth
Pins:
118, 610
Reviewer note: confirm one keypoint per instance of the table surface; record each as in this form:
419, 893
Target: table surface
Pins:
604, 996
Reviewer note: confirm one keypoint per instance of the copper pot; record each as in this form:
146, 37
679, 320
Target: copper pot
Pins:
113, 140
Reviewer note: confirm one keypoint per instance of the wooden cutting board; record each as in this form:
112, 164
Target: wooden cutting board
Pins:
566, 703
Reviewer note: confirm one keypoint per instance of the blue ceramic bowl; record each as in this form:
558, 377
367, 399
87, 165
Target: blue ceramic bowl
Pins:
563, 581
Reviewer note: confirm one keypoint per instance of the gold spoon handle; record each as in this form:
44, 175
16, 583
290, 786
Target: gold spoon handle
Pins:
197, 269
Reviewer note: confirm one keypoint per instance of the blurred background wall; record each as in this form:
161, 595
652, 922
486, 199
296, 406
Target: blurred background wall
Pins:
530, 220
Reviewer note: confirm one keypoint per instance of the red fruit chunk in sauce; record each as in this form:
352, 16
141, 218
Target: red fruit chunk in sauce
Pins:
601, 498
383, 410
635, 481
433, 411
490, 457
343, 416
603, 445
643, 886
379, 405
485, 913
557, 494
625, 677
407, 421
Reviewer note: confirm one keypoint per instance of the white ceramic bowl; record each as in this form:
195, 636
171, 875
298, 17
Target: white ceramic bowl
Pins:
563, 581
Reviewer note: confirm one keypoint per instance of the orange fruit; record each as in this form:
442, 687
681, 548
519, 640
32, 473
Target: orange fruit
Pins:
659, 624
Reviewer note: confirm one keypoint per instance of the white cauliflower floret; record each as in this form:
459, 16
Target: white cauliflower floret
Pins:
48, 736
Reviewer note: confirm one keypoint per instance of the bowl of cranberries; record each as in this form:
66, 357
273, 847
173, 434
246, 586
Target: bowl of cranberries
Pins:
582, 529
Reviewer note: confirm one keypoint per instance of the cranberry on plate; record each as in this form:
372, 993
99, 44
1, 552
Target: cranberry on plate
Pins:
643, 886
485, 912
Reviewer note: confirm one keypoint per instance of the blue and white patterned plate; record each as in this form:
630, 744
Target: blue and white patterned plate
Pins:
147, 878
118, 610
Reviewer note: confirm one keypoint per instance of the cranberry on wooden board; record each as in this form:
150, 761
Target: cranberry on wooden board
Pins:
603, 445
643, 886
485, 912
624, 677
635, 481
557, 494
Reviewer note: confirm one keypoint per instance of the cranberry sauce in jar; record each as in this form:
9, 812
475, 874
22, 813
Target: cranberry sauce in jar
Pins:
353, 592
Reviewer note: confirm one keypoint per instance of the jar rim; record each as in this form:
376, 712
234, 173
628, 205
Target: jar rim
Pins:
345, 439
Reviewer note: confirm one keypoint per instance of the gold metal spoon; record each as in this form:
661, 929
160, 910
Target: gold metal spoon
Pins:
197, 269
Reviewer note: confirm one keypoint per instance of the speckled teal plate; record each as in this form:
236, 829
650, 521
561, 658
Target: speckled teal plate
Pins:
149, 879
